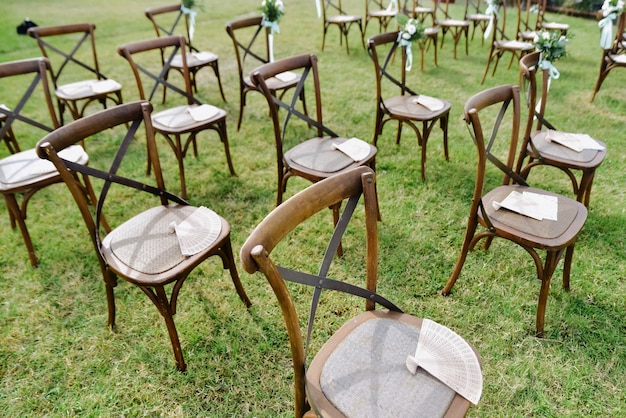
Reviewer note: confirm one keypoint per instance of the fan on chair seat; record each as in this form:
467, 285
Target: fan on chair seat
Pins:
448, 357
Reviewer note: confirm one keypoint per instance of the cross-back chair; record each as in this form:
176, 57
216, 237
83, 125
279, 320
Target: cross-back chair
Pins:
614, 57
153, 247
532, 19
404, 105
537, 149
491, 115
22, 173
361, 370
251, 43
383, 11
502, 44
447, 22
313, 158
179, 125
334, 14
72, 51
177, 20
418, 10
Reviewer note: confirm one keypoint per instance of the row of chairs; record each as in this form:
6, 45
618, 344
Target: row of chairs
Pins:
345, 357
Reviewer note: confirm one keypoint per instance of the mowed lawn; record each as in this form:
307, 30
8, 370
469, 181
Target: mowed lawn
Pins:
58, 358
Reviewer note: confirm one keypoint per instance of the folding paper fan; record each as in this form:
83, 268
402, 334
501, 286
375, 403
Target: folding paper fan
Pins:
198, 231
448, 357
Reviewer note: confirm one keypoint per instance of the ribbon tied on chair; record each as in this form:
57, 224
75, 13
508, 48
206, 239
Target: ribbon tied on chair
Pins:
492, 11
610, 10
192, 19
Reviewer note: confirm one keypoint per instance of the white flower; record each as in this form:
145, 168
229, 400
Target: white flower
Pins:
545, 36
406, 36
411, 29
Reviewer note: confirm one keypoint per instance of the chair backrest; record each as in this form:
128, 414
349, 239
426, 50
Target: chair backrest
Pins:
34, 72
499, 32
332, 8
148, 76
284, 106
376, 5
251, 42
531, 14
128, 117
500, 107
443, 11
171, 20
383, 49
256, 253
536, 103
77, 57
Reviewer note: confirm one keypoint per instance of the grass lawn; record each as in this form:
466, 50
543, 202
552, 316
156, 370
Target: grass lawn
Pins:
58, 358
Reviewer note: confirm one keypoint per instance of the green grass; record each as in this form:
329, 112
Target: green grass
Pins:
57, 357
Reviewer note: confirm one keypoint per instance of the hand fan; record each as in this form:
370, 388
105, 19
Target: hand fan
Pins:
198, 231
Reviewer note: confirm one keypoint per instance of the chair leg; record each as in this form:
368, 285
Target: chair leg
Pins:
552, 258
216, 70
472, 223
19, 217
164, 308
110, 281
224, 138
228, 261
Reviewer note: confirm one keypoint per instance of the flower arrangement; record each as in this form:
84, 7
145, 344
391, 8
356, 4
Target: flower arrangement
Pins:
411, 30
551, 44
190, 4
272, 11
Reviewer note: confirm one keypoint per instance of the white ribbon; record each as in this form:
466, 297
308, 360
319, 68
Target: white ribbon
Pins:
273, 28
552, 71
606, 24
192, 19
318, 6
393, 6
492, 11
409, 52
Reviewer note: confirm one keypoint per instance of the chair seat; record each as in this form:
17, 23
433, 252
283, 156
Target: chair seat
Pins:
179, 119
287, 80
528, 35
321, 156
87, 88
478, 17
453, 22
424, 10
382, 13
546, 234
143, 256
618, 58
513, 45
431, 31
26, 168
555, 26
343, 19
194, 59
557, 154
407, 107
361, 371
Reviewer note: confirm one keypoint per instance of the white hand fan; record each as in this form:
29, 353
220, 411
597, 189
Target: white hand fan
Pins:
355, 148
198, 231
448, 357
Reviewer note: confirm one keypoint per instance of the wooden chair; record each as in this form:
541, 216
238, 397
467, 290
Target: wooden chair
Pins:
22, 173
145, 249
73, 47
532, 19
168, 21
361, 369
384, 12
318, 157
334, 15
251, 43
537, 149
179, 125
458, 28
502, 106
614, 57
501, 43
408, 106
418, 10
